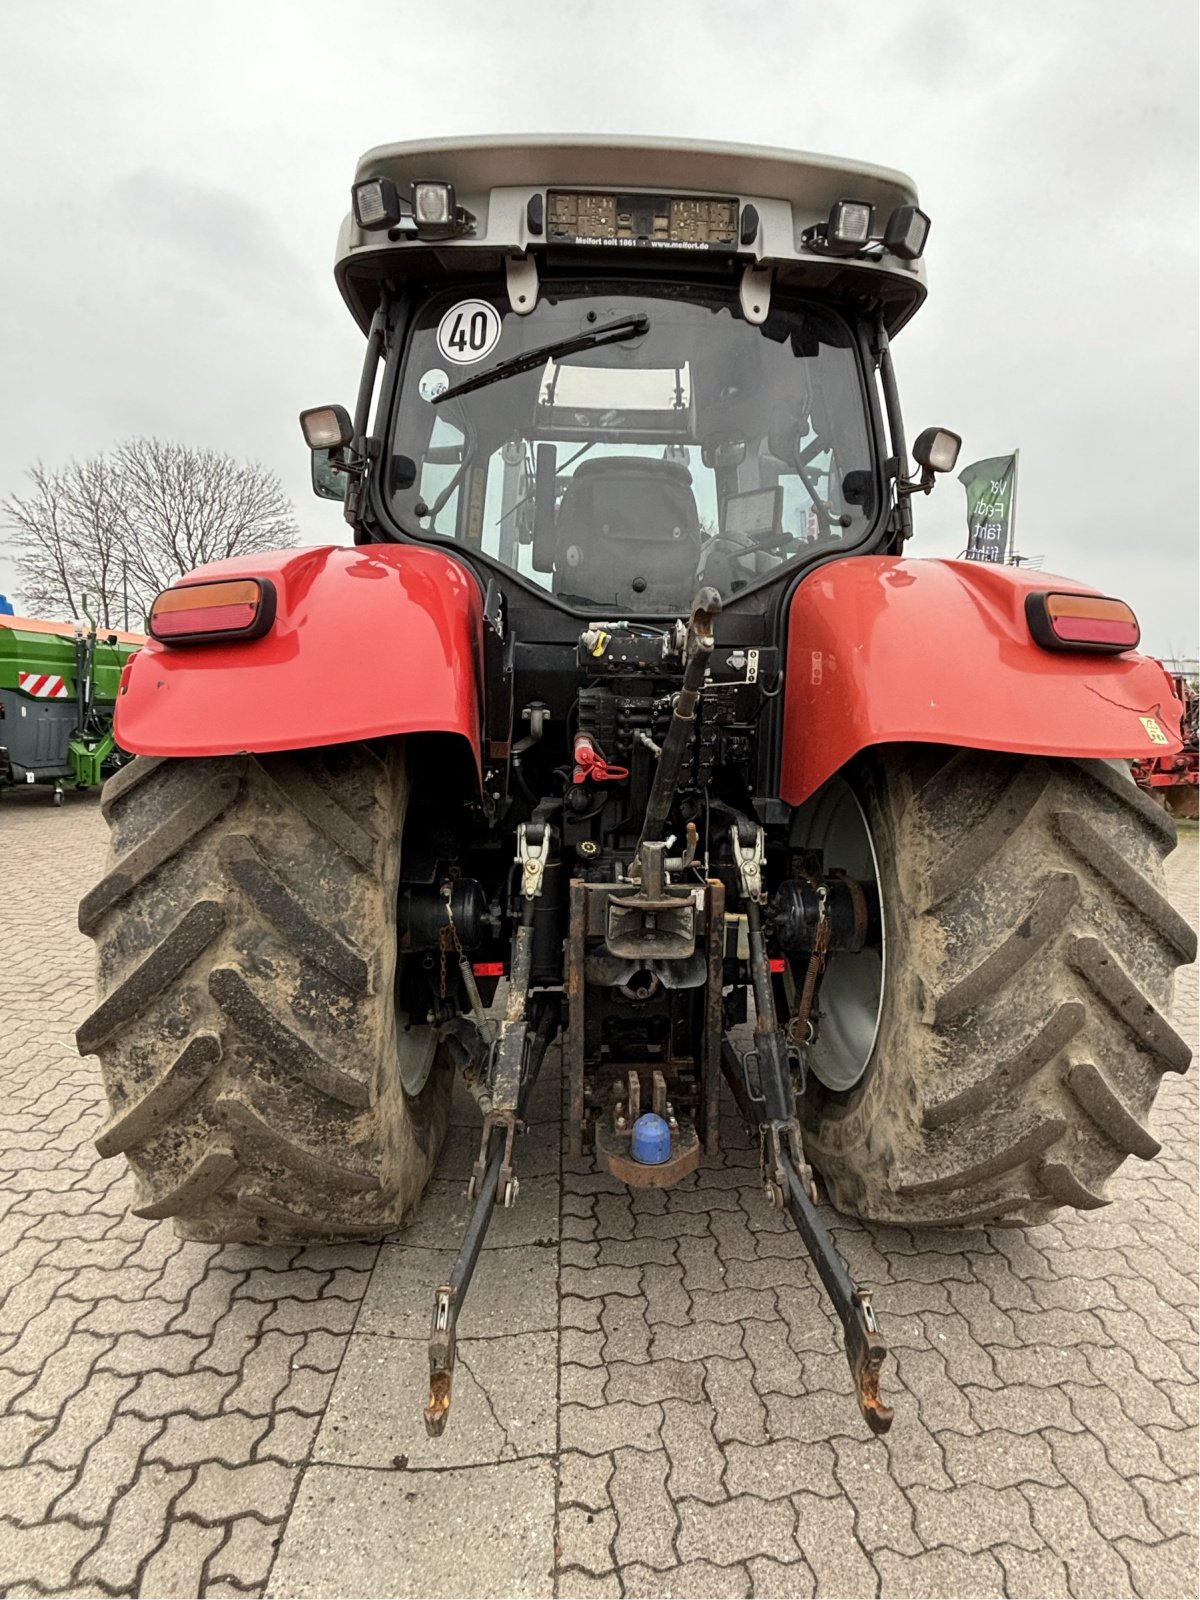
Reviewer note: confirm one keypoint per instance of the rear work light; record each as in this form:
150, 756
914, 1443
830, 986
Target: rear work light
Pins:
906, 232
228, 608
376, 203
1089, 622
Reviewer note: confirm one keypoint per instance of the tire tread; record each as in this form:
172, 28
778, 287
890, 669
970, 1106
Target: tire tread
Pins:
238, 1001
214, 1167
168, 838
954, 1164
188, 939
984, 842
245, 1035
142, 1118
1025, 1025
245, 862
1094, 851
1109, 981
1109, 1112
1034, 931
296, 785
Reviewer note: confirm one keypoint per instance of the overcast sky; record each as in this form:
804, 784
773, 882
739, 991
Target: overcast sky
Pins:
173, 176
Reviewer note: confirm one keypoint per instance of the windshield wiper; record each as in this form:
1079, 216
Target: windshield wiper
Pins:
610, 333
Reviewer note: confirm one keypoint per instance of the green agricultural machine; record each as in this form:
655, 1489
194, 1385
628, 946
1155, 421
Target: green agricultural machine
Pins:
58, 690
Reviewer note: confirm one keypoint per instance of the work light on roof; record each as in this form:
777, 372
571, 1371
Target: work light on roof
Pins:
376, 204
849, 225
847, 231
428, 211
906, 232
850, 231
433, 205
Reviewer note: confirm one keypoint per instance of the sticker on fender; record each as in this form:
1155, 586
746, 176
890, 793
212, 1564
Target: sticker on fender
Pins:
468, 331
1153, 731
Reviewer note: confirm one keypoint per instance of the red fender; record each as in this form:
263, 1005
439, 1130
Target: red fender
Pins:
367, 641
883, 650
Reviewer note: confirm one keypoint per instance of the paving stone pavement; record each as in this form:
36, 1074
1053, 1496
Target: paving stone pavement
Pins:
650, 1399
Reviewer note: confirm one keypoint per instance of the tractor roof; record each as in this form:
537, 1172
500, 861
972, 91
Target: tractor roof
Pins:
496, 179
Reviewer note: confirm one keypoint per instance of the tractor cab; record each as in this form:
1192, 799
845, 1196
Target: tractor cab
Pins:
610, 393
632, 445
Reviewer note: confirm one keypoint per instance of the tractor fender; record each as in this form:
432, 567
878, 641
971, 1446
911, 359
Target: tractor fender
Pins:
368, 641
882, 650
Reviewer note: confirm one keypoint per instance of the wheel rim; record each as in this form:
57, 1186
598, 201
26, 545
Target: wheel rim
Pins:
416, 1045
416, 1048
850, 996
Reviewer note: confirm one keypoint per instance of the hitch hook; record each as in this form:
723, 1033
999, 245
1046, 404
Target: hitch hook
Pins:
442, 1350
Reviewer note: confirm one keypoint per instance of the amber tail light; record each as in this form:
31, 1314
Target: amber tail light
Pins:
229, 608
1089, 622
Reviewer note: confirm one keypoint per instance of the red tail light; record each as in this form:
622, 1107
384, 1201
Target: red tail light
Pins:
1090, 622
229, 608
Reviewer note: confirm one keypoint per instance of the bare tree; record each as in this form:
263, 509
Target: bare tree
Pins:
187, 507
52, 531
120, 527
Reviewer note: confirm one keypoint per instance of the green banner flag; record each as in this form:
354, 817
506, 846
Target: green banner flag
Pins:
991, 502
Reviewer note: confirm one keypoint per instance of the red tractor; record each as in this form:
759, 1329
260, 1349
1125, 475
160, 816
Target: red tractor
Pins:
628, 694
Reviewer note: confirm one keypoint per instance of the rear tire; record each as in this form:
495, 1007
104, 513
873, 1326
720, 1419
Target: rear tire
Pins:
247, 1030
1022, 1032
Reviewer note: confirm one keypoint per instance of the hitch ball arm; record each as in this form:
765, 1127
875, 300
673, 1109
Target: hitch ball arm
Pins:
449, 1296
865, 1347
774, 1110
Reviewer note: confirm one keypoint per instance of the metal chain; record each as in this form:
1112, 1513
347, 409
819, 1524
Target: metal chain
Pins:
448, 940
443, 949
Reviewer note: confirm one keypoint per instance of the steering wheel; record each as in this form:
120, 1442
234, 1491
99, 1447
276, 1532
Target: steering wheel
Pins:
771, 542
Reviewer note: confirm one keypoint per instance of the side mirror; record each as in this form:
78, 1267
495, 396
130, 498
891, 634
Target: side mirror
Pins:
328, 479
858, 489
327, 431
936, 450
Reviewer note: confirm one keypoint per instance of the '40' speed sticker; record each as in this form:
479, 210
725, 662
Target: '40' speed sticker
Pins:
468, 331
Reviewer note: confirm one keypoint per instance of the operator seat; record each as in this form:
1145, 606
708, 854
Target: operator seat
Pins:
628, 535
